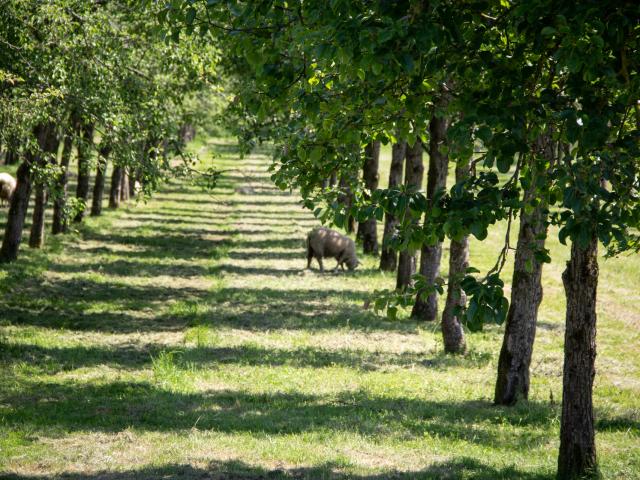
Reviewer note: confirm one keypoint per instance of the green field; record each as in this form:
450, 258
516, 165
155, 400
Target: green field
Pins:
182, 338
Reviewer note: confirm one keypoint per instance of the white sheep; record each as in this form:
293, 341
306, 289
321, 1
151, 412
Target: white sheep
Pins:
324, 242
7, 187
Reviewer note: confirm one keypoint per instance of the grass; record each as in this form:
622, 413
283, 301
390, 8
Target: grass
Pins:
181, 338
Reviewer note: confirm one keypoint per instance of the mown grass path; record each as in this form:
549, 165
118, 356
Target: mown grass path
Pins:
182, 338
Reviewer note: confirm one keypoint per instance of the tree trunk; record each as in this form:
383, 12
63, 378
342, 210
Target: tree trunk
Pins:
17, 214
132, 184
98, 186
333, 179
36, 238
368, 230
452, 332
413, 174
346, 199
84, 147
20, 199
124, 188
187, 132
11, 156
520, 330
49, 145
389, 257
427, 308
165, 151
60, 220
526, 292
116, 185
577, 456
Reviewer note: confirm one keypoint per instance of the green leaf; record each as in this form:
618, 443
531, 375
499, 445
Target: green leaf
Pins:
190, 16
547, 31
504, 163
316, 154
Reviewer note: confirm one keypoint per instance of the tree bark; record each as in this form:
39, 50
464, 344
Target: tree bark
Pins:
526, 292
85, 139
368, 230
330, 181
577, 456
389, 257
124, 188
20, 199
520, 330
346, 199
60, 220
36, 238
187, 132
116, 185
11, 156
98, 186
132, 184
452, 332
413, 174
48, 144
426, 309
333, 179
17, 213
165, 151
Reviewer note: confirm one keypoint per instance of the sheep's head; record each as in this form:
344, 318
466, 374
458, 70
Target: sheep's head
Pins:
352, 263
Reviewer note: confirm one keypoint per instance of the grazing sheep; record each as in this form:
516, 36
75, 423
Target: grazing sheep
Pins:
7, 186
324, 242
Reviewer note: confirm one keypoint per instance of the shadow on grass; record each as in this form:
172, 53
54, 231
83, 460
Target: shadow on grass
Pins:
456, 469
123, 268
51, 360
285, 216
288, 254
162, 218
69, 303
114, 406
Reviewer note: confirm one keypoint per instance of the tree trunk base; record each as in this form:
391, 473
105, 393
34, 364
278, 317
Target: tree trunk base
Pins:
577, 455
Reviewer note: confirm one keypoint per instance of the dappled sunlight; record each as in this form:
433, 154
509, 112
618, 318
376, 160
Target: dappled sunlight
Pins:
188, 328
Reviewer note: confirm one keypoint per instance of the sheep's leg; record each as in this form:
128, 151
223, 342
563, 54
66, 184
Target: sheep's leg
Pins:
341, 260
309, 256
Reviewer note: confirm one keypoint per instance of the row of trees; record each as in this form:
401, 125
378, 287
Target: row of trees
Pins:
535, 101
99, 77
